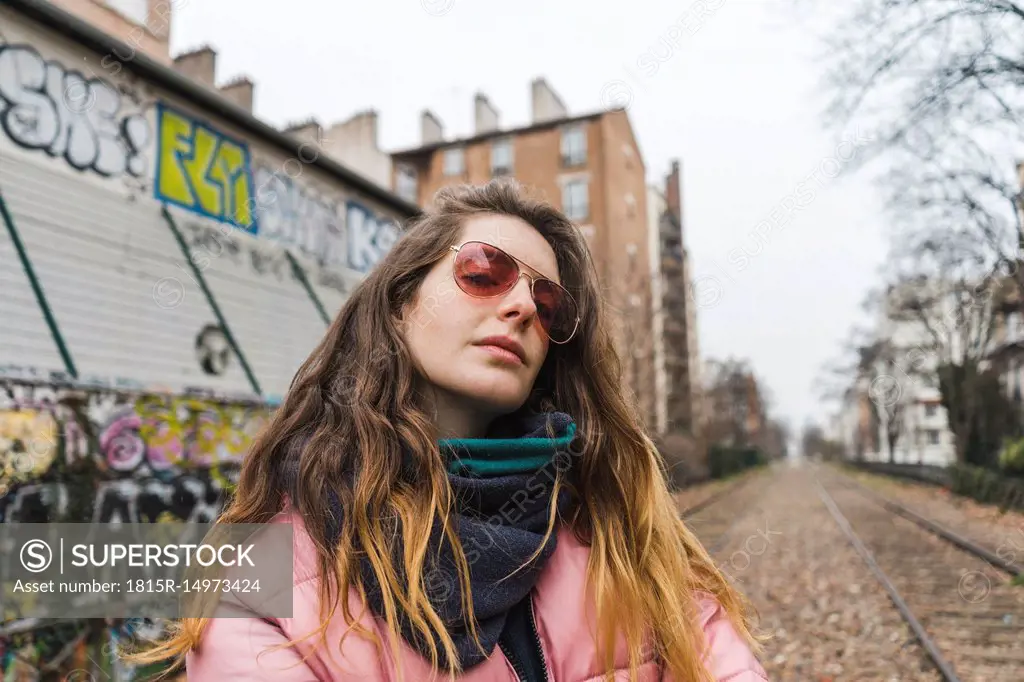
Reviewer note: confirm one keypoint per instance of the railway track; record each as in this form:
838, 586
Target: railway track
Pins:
959, 603
712, 522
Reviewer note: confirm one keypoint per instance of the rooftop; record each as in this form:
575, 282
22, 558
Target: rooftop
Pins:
481, 137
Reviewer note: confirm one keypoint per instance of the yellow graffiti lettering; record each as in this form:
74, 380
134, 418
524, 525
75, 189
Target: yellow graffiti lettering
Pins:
175, 142
28, 443
230, 172
203, 157
191, 433
202, 170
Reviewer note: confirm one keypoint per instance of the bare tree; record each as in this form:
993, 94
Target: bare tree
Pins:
775, 439
952, 301
888, 373
875, 367
939, 87
736, 412
814, 443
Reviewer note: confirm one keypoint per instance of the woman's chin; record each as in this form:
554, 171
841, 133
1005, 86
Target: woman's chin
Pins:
505, 394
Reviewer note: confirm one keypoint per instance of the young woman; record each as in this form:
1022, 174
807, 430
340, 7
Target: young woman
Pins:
471, 493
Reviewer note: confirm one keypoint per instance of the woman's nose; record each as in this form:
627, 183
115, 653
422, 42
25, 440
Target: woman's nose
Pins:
520, 298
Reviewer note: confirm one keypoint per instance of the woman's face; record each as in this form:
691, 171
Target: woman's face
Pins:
445, 326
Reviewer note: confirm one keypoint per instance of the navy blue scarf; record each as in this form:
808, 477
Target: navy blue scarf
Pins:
502, 487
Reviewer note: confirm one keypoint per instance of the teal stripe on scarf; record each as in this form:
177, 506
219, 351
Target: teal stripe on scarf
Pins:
503, 456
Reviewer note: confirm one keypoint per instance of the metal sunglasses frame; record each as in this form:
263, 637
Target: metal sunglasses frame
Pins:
528, 276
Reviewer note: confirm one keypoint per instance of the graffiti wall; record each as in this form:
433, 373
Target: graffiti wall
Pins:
203, 170
85, 122
187, 268
96, 152
75, 455
72, 455
61, 103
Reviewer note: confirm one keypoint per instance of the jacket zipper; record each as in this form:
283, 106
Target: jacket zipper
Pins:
514, 662
536, 640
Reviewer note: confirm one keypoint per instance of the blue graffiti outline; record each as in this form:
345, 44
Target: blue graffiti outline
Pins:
253, 227
381, 223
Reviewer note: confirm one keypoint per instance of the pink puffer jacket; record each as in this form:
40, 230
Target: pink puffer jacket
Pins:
235, 649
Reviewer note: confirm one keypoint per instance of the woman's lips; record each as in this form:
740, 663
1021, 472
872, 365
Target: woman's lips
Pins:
502, 354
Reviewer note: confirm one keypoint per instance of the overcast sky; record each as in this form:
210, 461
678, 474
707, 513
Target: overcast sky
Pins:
735, 98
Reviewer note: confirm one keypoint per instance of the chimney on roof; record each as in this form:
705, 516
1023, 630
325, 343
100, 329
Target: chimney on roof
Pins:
484, 114
431, 129
240, 91
199, 65
545, 103
354, 141
309, 130
360, 129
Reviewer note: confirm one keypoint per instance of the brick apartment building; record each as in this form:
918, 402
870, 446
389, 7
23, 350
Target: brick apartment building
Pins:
677, 359
589, 166
145, 25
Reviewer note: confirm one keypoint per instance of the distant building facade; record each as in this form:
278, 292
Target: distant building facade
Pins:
899, 400
678, 387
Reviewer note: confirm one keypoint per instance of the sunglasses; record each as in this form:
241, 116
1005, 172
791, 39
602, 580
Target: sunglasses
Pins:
485, 271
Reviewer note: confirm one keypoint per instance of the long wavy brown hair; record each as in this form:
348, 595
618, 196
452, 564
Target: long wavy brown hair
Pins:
354, 406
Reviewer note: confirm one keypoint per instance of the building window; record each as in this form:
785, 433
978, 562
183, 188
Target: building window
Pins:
501, 157
574, 146
929, 410
575, 203
406, 184
454, 161
630, 205
136, 10
933, 436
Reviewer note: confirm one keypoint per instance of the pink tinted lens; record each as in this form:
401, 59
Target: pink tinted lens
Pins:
483, 270
555, 308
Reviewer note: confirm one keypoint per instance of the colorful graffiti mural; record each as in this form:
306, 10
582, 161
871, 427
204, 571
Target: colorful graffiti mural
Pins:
203, 170
143, 457
84, 454
98, 126
75, 651
86, 121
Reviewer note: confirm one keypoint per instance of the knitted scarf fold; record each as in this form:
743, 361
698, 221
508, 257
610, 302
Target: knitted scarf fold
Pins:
503, 492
